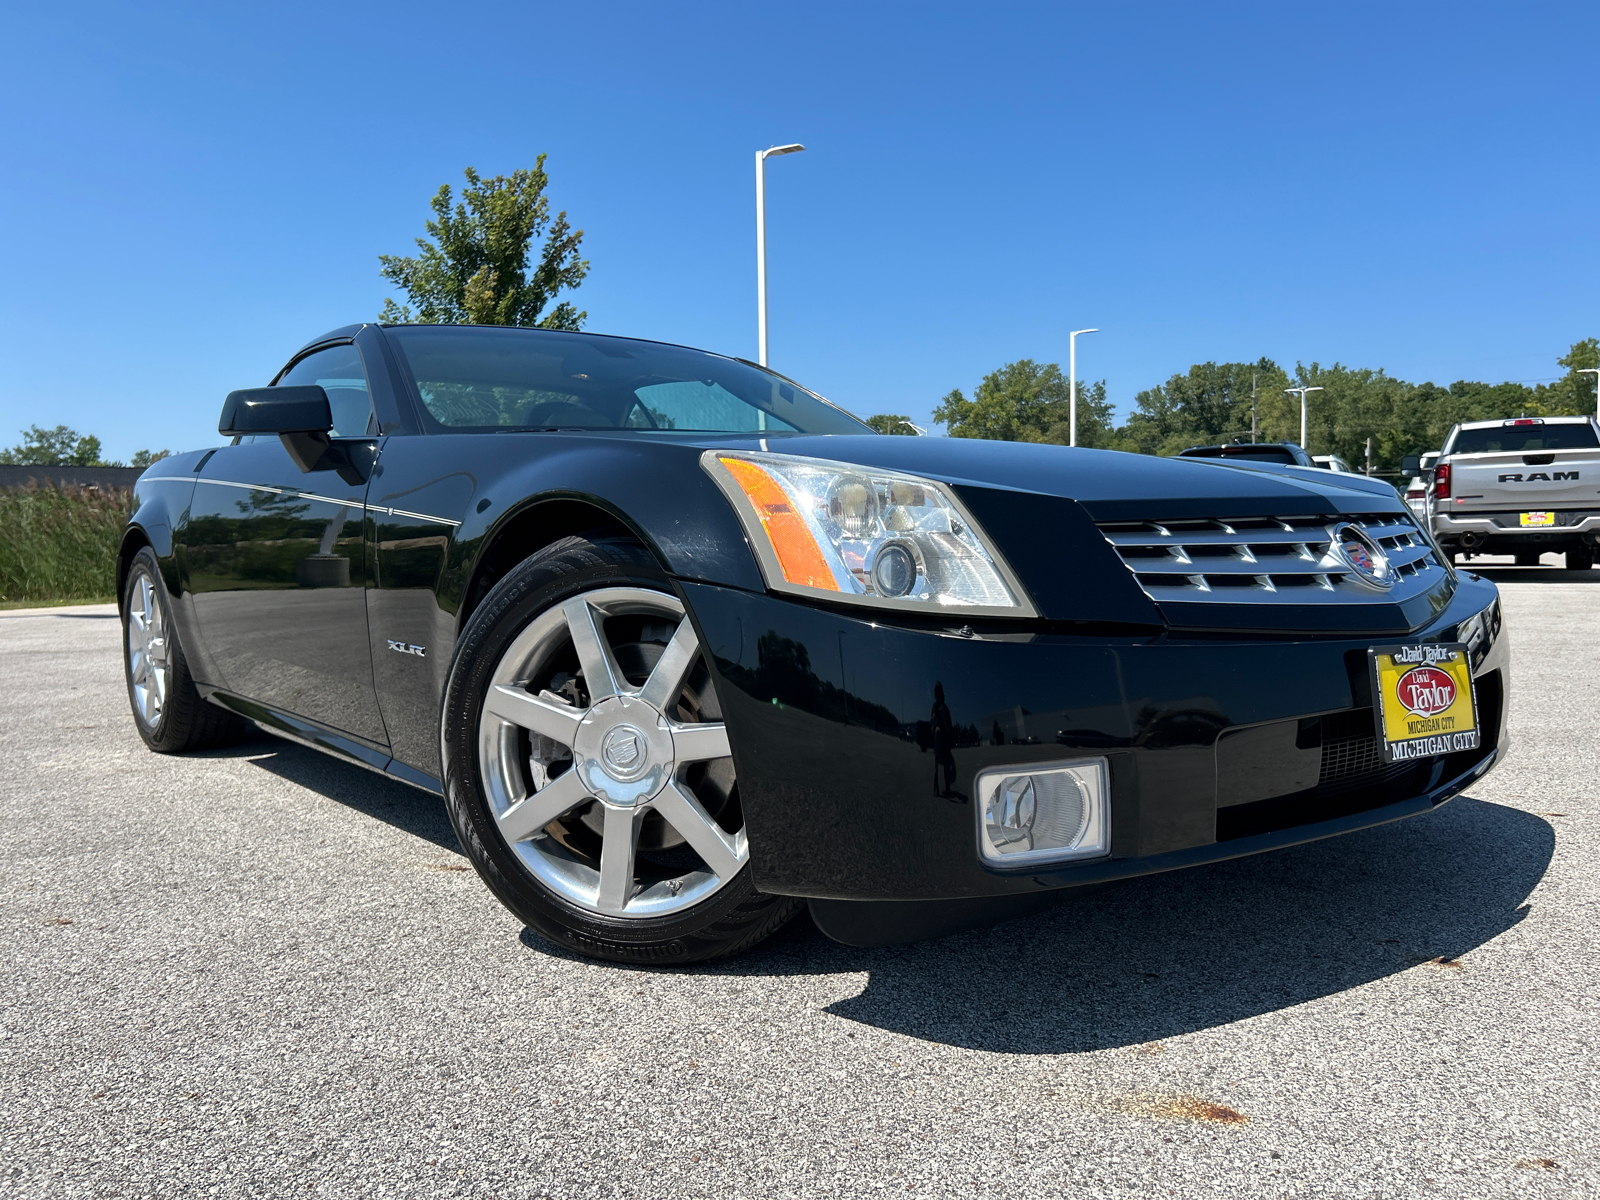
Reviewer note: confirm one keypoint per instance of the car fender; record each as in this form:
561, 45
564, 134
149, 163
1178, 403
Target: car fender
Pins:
491, 485
160, 504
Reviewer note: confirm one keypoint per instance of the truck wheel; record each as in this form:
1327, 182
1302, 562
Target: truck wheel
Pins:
1580, 560
587, 768
1527, 558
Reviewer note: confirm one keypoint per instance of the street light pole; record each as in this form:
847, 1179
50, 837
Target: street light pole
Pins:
761, 241
1595, 371
1072, 383
1302, 391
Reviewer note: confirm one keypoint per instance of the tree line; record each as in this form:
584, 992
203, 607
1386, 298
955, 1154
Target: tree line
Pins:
63, 447
1026, 401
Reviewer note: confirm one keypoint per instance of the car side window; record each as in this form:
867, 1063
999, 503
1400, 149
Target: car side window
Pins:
338, 371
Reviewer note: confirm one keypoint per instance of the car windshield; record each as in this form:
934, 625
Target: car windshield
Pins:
1523, 439
478, 379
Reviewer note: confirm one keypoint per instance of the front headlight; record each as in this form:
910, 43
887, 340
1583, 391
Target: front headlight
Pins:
864, 535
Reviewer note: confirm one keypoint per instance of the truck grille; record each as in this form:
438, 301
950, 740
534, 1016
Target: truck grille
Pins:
1257, 560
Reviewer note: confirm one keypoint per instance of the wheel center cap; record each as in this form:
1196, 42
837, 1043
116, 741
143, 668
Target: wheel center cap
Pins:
623, 751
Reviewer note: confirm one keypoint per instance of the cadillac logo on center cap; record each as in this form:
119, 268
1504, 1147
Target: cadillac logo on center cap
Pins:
623, 749
1365, 557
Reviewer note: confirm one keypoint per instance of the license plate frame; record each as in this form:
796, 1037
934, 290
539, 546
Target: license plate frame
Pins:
1415, 716
1536, 520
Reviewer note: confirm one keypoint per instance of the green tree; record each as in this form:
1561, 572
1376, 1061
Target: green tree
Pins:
1025, 401
1208, 403
1355, 403
1574, 394
892, 423
58, 447
143, 458
1211, 402
476, 269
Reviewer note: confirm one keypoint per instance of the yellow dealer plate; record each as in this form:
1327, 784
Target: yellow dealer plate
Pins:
1423, 700
1539, 518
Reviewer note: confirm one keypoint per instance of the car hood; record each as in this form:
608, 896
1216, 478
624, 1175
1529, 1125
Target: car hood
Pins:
1110, 485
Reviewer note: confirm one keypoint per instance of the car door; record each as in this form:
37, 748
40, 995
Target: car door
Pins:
278, 563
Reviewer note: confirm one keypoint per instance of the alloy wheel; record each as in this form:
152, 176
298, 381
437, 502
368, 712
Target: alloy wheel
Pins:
605, 760
148, 665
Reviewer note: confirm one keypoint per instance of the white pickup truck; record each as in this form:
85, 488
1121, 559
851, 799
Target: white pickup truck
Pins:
1525, 486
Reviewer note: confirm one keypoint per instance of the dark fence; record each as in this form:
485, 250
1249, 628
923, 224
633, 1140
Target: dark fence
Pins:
100, 477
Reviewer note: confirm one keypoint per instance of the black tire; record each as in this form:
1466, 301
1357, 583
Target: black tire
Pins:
184, 721
1527, 558
731, 919
1580, 560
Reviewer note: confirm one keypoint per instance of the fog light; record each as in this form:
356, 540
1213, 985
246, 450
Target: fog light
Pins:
1054, 812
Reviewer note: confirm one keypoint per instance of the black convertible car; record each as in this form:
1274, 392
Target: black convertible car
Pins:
685, 647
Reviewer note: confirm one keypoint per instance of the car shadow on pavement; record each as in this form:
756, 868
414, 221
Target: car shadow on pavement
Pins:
408, 809
1132, 963
1170, 954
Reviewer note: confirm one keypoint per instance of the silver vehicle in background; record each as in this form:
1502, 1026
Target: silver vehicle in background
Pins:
1525, 486
1418, 473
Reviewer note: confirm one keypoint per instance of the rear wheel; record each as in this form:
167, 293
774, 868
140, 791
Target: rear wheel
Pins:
587, 767
167, 708
1580, 560
1527, 558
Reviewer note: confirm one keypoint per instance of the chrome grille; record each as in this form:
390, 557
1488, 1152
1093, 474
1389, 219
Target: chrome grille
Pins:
1256, 560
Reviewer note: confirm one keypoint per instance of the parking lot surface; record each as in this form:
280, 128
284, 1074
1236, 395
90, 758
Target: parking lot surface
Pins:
260, 971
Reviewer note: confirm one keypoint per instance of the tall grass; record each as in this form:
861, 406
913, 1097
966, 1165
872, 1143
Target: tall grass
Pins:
60, 543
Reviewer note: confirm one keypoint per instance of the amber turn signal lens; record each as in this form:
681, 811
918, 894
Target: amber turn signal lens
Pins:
799, 556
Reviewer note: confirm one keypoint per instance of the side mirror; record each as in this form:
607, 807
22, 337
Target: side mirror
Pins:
276, 410
302, 419
1411, 464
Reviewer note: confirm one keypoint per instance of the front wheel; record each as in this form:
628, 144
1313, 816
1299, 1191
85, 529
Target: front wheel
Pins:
587, 768
1527, 558
167, 707
1580, 560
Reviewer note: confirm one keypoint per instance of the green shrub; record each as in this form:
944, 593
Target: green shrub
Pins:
60, 543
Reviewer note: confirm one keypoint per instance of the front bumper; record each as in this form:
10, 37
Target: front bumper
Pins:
1217, 746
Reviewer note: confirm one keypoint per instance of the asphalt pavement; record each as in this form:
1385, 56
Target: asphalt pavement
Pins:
262, 972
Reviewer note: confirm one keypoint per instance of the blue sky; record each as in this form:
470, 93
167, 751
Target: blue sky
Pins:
191, 193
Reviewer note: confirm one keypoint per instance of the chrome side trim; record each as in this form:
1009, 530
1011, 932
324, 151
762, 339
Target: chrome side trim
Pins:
401, 512
295, 492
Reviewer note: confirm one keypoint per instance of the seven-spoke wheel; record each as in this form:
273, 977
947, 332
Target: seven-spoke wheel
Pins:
147, 650
588, 783
167, 708
587, 766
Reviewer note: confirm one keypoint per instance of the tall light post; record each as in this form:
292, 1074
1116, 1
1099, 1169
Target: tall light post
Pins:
1595, 371
761, 239
1302, 391
1072, 384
